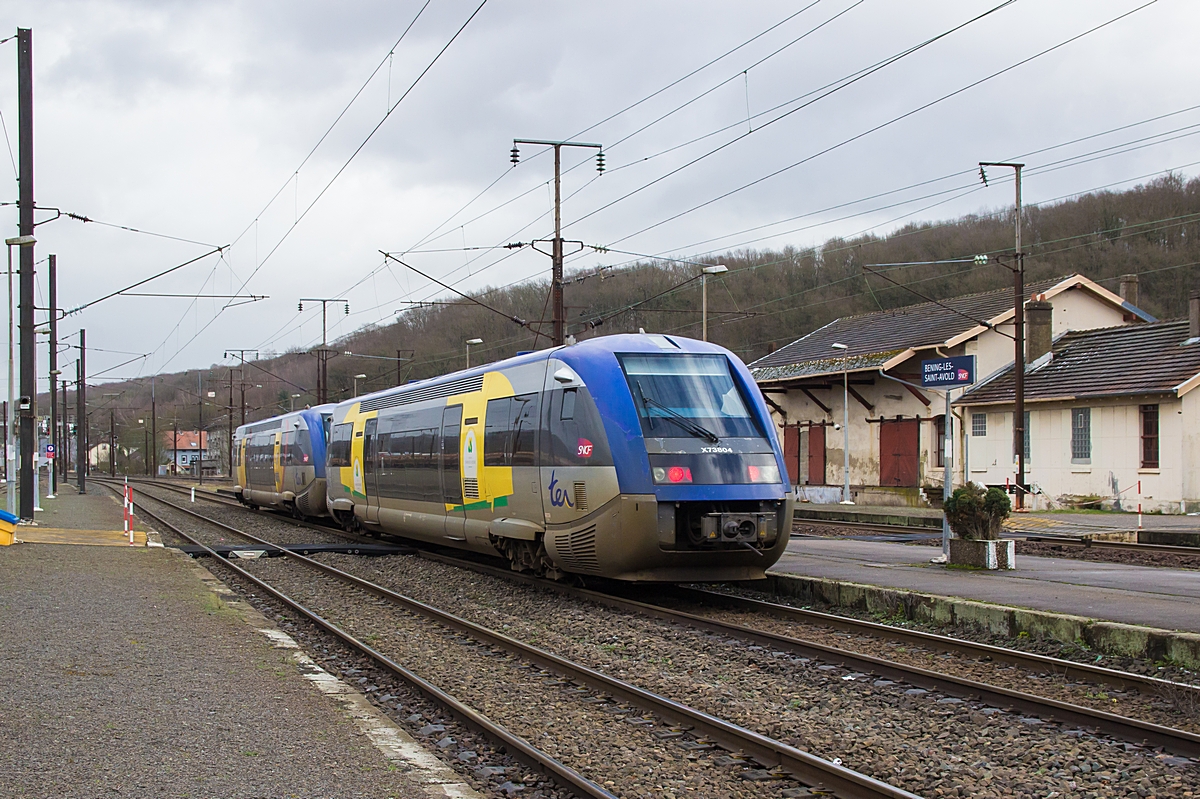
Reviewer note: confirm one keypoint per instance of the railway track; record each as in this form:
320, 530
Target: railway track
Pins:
1132, 730
695, 729
1083, 540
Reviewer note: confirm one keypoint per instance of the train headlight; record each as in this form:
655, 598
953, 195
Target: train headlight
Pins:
672, 474
766, 473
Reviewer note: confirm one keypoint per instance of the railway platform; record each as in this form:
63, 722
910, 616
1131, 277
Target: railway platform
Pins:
131, 671
1122, 609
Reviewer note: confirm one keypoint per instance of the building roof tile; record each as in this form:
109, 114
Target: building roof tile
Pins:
1129, 360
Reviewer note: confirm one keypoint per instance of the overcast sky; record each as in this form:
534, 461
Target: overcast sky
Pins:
197, 119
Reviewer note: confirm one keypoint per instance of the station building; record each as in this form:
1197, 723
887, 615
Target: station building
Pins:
1114, 419
895, 426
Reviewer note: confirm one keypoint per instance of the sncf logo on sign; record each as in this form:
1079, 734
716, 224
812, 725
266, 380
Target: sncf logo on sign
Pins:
583, 448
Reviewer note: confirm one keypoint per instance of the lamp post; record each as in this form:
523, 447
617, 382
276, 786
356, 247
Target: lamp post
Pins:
845, 427
470, 342
293, 399
719, 269
10, 465
54, 373
356, 379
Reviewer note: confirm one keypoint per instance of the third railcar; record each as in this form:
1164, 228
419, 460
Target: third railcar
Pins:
635, 457
280, 462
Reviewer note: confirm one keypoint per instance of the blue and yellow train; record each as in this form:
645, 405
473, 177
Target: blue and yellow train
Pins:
280, 462
634, 457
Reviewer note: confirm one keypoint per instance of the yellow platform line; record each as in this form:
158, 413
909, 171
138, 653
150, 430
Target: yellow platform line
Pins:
61, 535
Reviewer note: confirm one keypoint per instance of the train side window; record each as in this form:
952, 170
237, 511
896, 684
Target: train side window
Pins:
339, 445
578, 439
525, 425
496, 429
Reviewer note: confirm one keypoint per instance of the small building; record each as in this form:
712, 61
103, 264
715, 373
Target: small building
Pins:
1113, 419
873, 361
183, 451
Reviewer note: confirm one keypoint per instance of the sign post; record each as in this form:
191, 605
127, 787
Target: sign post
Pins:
947, 373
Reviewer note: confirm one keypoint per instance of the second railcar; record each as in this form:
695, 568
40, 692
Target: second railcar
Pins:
280, 462
635, 457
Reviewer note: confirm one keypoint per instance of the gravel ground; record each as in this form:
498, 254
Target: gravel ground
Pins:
488, 769
612, 744
924, 742
124, 677
887, 734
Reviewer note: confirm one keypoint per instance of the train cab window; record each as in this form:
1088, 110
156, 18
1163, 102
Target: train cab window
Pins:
688, 395
339, 445
576, 433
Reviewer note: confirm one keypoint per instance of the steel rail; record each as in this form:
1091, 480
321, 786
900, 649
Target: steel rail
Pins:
768, 752
877, 526
1086, 543
1121, 680
1133, 730
513, 743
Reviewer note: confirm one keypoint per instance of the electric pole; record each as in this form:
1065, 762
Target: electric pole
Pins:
556, 254
324, 352
231, 423
112, 444
28, 403
81, 414
1018, 337
153, 428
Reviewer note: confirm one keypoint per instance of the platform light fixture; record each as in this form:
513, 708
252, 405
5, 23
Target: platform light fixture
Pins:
10, 466
470, 343
356, 379
718, 269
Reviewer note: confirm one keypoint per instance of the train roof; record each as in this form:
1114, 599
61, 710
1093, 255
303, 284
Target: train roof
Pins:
592, 350
276, 422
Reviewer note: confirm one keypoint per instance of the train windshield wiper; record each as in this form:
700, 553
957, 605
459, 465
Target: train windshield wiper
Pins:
687, 424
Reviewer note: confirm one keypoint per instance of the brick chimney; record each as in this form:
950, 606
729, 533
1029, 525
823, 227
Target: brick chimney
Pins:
1039, 327
1194, 315
1129, 289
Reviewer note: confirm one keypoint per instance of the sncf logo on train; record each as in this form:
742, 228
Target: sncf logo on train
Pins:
584, 448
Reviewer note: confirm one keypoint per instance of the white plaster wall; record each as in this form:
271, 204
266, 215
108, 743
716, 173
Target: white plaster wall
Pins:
1189, 448
890, 400
1115, 467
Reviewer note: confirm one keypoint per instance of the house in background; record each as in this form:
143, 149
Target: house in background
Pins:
1110, 411
895, 426
182, 451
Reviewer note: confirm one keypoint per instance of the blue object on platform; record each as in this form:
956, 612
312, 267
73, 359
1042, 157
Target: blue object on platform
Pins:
9, 517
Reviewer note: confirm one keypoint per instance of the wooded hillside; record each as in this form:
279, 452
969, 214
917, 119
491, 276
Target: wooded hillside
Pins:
767, 299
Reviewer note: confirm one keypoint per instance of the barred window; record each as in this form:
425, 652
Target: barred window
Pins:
1149, 436
1026, 434
978, 425
1081, 435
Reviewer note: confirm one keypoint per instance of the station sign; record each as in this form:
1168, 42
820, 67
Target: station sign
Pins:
948, 372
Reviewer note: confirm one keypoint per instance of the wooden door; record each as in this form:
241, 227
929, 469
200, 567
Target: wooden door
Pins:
816, 455
899, 442
791, 452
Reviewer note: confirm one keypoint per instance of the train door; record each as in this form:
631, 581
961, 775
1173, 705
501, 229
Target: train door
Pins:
899, 452
450, 467
277, 460
791, 452
370, 467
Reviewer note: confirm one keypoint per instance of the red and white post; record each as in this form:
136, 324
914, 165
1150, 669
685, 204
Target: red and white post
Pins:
1139, 504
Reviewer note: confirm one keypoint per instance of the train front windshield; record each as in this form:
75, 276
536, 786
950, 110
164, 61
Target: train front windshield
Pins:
680, 395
